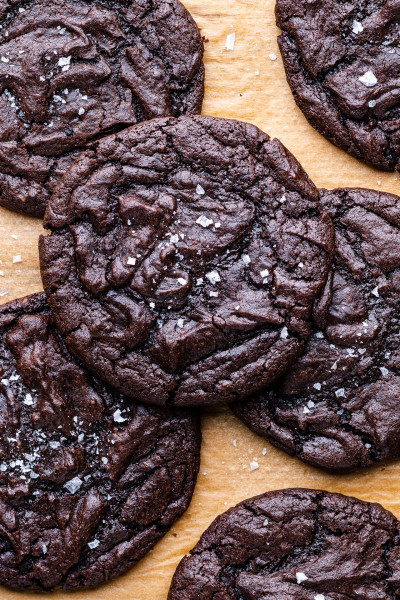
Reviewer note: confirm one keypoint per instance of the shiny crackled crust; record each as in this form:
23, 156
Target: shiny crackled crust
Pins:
337, 406
88, 482
342, 64
184, 260
72, 71
294, 544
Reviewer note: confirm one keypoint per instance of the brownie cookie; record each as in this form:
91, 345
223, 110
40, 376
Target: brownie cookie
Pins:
74, 70
88, 482
294, 544
342, 63
185, 258
338, 406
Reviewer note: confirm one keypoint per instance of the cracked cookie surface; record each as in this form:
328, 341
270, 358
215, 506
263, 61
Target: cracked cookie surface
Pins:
337, 406
184, 260
72, 71
342, 64
88, 481
302, 544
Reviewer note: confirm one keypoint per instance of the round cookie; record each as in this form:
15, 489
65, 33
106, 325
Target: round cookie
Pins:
72, 71
184, 260
342, 64
294, 544
337, 407
88, 482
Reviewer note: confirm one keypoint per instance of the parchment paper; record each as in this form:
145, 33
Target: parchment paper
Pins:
244, 84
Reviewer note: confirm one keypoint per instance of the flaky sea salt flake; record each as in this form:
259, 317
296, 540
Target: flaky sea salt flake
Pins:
64, 62
230, 41
118, 418
200, 190
73, 485
204, 221
28, 400
284, 333
213, 277
368, 79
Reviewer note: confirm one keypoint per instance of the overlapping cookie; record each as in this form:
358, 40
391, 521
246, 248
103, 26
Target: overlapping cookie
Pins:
88, 481
294, 544
75, 70
184, 260
342, 64
338, 405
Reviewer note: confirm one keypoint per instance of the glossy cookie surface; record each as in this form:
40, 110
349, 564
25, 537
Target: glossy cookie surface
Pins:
88, 481
337, 406
72, 71
184, 260
294, 544
342, 64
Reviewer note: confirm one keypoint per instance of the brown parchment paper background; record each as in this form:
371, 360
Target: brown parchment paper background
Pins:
235, 90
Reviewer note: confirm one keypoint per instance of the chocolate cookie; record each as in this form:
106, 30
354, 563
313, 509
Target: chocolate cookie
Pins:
295, 544
342, 64
75, 70
338, 406
88, 482
184, 260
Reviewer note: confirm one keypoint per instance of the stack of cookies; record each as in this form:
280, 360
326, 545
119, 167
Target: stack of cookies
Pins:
191, 263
